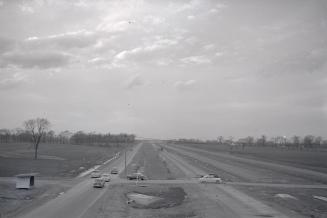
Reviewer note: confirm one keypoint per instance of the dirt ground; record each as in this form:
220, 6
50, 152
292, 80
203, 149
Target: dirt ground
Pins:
12, 200
308, 159
300, 201
115, 204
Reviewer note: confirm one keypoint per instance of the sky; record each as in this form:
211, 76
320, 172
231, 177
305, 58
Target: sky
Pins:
166, 69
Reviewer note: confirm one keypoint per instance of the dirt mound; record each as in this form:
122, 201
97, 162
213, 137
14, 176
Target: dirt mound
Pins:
155, 199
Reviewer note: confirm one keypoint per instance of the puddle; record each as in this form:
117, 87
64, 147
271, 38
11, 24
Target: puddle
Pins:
142, 199
148, 198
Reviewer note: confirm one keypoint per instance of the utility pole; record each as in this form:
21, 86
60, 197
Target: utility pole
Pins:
125, 164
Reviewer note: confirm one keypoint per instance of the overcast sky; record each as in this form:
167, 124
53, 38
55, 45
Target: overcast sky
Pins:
166, 69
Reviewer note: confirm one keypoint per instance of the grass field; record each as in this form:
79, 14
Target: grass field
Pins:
310, 159
54, 160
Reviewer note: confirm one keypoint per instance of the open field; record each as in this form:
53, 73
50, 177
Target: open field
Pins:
54, 160
310, 159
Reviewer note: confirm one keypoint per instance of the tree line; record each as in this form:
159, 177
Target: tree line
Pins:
19, 135
294, 142
38, 130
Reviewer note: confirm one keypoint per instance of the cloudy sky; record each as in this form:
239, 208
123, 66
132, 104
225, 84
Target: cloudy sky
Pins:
166, 69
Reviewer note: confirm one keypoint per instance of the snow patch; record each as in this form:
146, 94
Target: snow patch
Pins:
285, 196
320, 198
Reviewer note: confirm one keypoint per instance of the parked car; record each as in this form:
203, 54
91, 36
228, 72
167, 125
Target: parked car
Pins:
106, 177
114, 170
95, 174
210, 178
98, 183
138, 176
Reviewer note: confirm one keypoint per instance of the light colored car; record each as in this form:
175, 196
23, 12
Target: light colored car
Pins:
106, 177
136, 176
99, 183
210, 178
114, 170
95, 174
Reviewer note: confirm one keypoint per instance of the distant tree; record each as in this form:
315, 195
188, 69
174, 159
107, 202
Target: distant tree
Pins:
220, 140
262, 140
318, 141
308, 140
37, 128
296, 141
249, 140
5, 135
64, 137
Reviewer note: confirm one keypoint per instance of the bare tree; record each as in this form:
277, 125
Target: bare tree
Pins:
220, 140
308, 141
37, 127
318, 141
296, 141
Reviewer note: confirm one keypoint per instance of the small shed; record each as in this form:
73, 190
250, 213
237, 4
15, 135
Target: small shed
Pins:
25, 181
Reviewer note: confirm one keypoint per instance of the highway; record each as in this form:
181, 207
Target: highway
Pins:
221, 200
76, 201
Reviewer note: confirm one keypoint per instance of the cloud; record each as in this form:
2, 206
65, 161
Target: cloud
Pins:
26, 8
196, 60
163, 62
76, 39
124, 54
191, 17
97, 60
154, 20
134, 81
209, 47
218, 7
6, 44
160, 43
12, 82
35, 59
219, 54
182, 85
191, 5
146, 51
117, 26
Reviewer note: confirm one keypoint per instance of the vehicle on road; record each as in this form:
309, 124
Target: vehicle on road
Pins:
106, 177
95, 174
114, 170
99, 183
136, 176
210, 178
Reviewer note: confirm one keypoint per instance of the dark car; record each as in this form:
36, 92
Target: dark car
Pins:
136, 176
99, 183
114, 170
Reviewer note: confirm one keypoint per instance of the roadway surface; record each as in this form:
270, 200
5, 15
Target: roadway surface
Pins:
76, 201
224, 200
